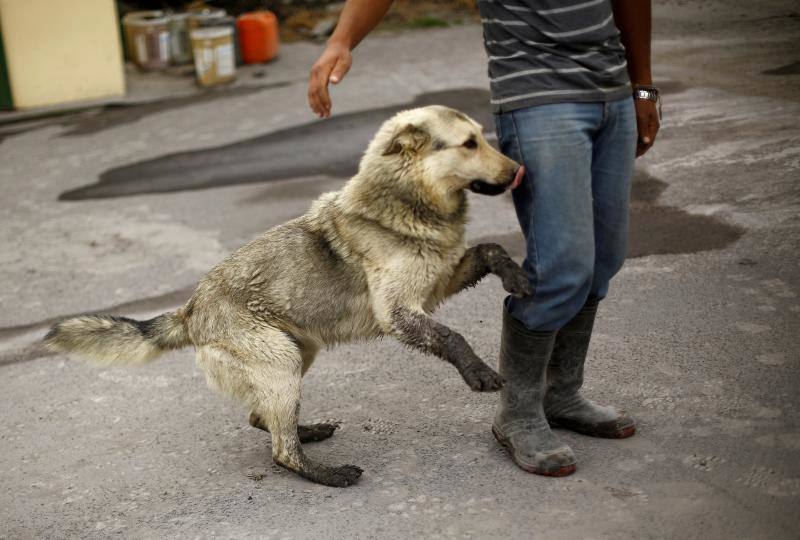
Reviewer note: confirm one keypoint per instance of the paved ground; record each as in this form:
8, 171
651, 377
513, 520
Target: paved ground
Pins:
698, 338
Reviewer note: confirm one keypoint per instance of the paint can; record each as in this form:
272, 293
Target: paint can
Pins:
180, 46
147, 38
214, 56
205, 17
227, 20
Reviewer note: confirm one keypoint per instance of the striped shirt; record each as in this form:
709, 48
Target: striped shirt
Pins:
549, 51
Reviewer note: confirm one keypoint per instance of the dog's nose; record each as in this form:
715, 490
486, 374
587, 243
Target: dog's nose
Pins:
518, 177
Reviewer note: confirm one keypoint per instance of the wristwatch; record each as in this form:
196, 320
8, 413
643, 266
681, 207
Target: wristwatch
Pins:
643, 91
649, 93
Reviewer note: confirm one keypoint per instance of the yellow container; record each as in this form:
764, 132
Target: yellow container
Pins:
214, 57
204, 17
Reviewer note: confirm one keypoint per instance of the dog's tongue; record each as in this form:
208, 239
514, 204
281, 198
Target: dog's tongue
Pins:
518, 178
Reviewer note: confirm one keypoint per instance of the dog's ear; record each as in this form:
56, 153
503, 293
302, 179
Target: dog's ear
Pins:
407, 138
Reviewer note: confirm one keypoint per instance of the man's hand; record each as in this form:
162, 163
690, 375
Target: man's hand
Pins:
647, 124
331, 67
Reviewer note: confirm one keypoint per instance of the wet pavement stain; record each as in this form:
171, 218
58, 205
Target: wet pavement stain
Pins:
788, 69
654, 229
330, 148
111, 116
667, 230
97, 119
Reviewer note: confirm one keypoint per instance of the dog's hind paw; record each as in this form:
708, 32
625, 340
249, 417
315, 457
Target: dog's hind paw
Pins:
482, 378
315, 432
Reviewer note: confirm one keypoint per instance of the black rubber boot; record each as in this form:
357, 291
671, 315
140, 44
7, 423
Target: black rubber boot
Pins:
563, 404
520, 424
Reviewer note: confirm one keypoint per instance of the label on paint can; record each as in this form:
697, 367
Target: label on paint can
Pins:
140, 42
226, 65
203, 58
163, 46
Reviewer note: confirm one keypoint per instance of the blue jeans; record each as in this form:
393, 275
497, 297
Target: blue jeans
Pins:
573, 202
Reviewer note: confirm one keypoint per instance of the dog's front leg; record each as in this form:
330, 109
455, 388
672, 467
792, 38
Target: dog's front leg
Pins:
489, 259
418, 330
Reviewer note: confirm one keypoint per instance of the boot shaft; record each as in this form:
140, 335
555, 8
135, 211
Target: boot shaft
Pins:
524, 356
565, 370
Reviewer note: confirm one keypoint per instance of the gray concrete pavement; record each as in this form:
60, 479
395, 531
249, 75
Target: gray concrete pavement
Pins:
697, 339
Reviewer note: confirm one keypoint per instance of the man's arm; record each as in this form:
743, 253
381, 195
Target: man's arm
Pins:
633, 18
358, 18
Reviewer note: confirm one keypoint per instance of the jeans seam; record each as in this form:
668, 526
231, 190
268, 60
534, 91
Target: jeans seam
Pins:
531, 228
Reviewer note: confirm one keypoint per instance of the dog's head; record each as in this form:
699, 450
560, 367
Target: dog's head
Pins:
446, 150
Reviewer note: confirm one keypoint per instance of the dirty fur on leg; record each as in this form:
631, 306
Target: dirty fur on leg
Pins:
420, 332
306, 433
483, 259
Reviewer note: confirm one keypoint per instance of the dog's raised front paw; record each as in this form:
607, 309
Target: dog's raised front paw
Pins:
516, 282
482, 378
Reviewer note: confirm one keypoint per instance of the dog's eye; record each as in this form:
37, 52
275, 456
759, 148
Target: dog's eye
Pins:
470, 143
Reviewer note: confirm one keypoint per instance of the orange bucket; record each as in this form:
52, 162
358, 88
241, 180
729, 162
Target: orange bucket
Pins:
258, 36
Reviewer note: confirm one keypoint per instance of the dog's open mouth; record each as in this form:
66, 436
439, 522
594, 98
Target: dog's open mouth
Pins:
483, 187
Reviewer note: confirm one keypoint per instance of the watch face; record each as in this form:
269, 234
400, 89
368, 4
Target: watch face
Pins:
646, 94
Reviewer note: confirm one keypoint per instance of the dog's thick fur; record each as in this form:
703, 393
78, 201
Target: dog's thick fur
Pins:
370, 260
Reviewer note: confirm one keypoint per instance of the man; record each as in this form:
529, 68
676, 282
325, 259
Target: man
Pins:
562, 74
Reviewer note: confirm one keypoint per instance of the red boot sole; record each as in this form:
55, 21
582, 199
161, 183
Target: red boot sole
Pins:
623, 433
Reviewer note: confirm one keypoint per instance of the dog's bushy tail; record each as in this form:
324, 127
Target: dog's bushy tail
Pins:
107, 340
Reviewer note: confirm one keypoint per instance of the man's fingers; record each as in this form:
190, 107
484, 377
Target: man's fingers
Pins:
647, 128
313, 83
318, 89
647, 124
312, 92
340, 70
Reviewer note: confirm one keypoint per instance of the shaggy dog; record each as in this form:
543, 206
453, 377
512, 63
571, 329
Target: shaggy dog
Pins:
370, 260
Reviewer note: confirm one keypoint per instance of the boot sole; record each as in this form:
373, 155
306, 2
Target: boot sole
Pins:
623, 433
562, 471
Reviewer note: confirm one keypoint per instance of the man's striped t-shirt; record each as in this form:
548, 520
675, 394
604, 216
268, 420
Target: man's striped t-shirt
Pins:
550, 51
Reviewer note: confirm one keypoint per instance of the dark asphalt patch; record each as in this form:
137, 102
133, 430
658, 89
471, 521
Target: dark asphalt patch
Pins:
654, 229
96, 119
111, 116
331, 147
788, 69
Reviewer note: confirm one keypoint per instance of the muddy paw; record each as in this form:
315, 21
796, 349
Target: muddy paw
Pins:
315, 432
516, 282
343, 476
482, 378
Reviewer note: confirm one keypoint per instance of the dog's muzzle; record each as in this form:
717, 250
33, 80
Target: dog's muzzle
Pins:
483, 187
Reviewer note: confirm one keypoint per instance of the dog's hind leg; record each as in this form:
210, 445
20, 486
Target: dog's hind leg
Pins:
264, 369
278, 404
307, 432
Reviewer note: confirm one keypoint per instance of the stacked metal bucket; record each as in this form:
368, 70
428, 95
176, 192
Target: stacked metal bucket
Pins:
154, 40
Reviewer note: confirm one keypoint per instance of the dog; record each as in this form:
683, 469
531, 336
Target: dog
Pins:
373, 259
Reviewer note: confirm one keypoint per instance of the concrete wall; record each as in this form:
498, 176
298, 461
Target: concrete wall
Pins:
60, 50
